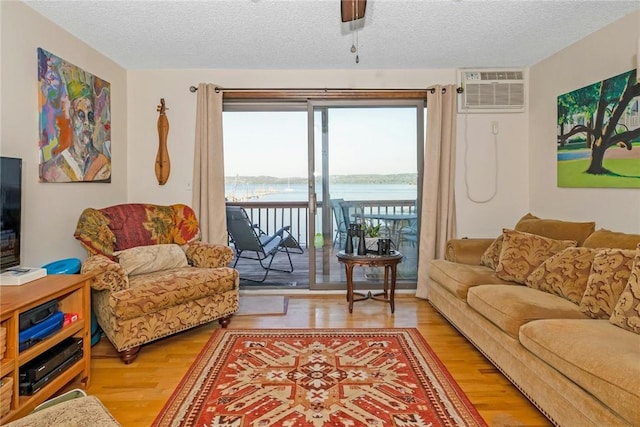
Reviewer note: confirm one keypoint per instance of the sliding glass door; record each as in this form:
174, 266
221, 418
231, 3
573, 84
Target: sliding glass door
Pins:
316, 167
364, 167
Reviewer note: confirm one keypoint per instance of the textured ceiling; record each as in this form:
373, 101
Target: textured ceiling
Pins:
308, 34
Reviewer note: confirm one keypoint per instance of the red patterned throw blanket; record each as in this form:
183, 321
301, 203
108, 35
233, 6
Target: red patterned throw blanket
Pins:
318, 378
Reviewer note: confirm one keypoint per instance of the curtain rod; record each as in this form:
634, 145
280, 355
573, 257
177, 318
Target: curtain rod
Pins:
194, 89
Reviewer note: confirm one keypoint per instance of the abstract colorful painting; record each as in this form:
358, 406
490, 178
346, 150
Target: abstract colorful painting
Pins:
599, 134
75, 122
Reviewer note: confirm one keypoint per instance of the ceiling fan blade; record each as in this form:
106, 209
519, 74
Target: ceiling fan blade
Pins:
352, 10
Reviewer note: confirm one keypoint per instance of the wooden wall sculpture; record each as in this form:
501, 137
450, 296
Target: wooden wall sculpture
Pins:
163, 165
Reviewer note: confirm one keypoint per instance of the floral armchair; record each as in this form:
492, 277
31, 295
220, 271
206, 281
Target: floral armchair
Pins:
153, 276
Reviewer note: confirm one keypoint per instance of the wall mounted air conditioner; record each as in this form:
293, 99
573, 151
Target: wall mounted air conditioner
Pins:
491, 91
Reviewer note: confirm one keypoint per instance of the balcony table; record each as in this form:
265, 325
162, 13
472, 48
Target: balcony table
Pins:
393, 221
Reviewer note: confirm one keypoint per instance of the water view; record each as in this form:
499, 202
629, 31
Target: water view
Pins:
347, 187
300, 192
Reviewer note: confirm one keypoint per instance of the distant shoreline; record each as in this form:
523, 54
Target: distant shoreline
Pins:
402, 178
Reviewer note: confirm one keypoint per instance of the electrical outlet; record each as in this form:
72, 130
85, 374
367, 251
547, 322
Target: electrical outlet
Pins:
189, 185
494, 127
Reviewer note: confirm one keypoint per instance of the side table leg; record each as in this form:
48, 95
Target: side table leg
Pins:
349, 274
386, 281
393, 288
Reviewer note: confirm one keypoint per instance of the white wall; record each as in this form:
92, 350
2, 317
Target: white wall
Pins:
526, 179
50, 210
601, 55
146, 87
492, 188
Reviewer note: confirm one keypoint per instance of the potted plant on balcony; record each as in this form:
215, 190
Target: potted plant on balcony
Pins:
371, 235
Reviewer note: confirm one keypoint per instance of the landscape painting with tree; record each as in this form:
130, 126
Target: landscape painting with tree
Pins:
599, 134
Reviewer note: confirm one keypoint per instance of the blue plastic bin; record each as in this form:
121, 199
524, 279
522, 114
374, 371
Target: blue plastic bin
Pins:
72, 266
64, 266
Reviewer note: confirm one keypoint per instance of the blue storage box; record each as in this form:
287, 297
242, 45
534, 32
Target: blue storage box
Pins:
64, 266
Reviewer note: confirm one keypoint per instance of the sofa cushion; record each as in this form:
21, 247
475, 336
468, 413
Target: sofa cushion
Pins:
149, 259
153, 292
555, 229
565, 274
510, 307
612, 239
523, 252
626, 313
599, 357
491, 256
609, 275
458, 278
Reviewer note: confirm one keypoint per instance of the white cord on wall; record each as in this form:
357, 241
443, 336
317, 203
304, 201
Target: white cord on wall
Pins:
466, 166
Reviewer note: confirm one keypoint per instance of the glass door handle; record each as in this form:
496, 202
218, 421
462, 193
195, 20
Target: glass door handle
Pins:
313, 204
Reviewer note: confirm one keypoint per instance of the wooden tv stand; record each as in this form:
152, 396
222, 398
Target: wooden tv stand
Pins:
73, 295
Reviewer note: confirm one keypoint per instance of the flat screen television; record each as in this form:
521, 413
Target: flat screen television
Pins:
10, 211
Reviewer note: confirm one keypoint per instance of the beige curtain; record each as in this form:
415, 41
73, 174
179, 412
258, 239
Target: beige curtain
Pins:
208, 166
438, 210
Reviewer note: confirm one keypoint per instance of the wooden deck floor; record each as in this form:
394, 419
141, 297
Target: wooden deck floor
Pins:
330, 273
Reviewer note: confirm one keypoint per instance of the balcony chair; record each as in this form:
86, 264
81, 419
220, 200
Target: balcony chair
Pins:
409, 233
251, 243
341, 223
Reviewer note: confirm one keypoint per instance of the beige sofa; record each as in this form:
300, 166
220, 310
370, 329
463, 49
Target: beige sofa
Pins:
153, 277
556, 329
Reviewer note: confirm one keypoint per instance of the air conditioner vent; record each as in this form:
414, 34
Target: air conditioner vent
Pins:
492, 91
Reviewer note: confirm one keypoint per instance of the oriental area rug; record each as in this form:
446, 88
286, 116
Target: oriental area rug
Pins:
318, 378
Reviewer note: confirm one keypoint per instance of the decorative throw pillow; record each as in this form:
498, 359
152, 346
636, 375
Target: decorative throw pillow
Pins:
149, 259
186, 228
626, 313
555, 229
524, 252
491, 256
565, 274
610, 273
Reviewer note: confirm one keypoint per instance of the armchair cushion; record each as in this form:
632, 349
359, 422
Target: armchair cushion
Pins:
120, 227
144, 224
154, 292
94, 233
149, 259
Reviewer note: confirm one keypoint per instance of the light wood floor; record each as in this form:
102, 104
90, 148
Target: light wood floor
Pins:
136, 393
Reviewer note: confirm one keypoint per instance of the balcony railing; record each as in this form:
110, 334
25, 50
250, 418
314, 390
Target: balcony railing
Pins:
271, 216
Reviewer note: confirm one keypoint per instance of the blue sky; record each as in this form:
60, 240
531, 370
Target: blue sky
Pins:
361, 141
